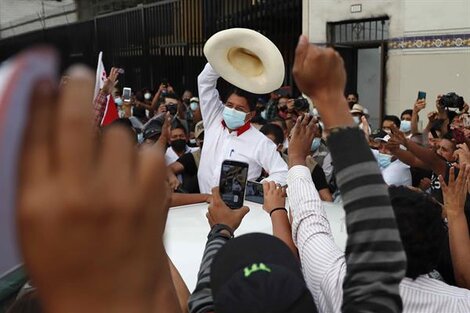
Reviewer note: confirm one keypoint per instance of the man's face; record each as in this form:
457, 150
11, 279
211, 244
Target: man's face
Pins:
187, 95
177, 133
351, 99
387, 125
445, 149
240, 104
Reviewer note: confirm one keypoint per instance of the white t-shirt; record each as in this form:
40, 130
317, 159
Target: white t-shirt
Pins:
171, 156
397, 173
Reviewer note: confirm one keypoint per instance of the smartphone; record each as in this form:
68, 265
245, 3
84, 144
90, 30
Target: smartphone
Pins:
233, 177
254, 192
126, 94
421, 95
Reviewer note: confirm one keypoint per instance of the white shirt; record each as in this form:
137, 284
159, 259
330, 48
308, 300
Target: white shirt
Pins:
251, 146
324, 265
171, 156
397, 173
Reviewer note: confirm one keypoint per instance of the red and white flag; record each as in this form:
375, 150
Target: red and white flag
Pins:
111, 112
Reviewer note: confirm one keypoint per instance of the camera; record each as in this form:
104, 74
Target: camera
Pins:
452, 100
171, 108
301, 105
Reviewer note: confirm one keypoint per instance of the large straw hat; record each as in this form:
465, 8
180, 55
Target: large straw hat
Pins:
246, 59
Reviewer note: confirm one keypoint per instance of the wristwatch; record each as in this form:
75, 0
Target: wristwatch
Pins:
217, 229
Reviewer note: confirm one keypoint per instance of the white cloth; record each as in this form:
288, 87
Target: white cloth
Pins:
397, 173
324, 265
251, 146
171, 156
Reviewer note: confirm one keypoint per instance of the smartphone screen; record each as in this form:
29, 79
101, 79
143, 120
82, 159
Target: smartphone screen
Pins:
254, 192
232, 183
421, 95
126, 94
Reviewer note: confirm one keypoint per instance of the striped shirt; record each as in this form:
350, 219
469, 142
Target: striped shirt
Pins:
201, 300
375, 262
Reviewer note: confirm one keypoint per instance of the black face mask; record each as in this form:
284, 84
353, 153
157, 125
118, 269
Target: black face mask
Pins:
186, 101
178, 145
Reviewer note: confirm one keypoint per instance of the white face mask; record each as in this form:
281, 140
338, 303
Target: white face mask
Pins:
357, 119
147, 96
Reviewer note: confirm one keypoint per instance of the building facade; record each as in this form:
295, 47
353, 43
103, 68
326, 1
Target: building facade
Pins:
395, 48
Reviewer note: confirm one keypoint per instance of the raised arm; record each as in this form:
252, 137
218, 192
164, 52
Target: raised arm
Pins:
101, 99
455, 194
223, 221
420, 104
209, 100
426, 155
275, 205
375, 258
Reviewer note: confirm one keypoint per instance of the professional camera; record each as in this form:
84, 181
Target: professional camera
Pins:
301, 105
171, 108
452, 100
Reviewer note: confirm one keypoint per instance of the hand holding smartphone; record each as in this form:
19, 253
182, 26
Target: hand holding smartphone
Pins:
126, 94
421, 95
233, 177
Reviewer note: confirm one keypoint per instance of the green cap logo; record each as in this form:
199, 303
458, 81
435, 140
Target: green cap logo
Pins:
256, 267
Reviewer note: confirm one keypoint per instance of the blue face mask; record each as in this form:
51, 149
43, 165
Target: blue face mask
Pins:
263, 114
405, 126
384, 160
234, 119
118, 101
193, 106
315, 144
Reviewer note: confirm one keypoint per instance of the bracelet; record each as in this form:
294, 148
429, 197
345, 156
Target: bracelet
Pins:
276, 209
217, 228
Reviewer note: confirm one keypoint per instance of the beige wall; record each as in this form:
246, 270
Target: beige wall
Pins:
434, 70
435, 73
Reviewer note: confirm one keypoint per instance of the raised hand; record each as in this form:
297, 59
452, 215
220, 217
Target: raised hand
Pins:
274, 196
420, 104
220, 213
90, 217
111, 81
319, 73
301, 140
455, 192
398, 136
166, 132
462, 154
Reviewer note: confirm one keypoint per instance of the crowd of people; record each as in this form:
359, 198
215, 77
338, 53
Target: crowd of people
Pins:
404, 192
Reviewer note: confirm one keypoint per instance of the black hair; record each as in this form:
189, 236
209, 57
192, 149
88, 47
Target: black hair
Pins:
176, 123
250, 98
170, 96
139, 95
125, 123
275, 130
409, 112
258, 119
448, 136
280, 120
422, 229
392, 118
355, 94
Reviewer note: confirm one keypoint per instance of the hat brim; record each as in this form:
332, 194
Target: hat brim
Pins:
356, 111
245, 250
217, 51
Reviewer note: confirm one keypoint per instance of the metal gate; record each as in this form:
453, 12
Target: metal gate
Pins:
165, 39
